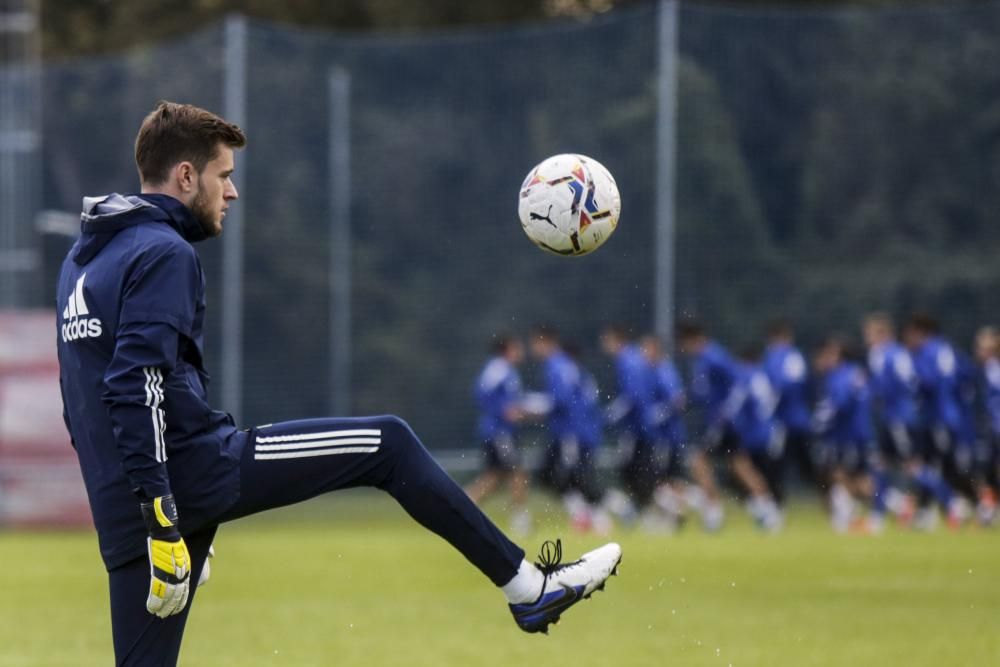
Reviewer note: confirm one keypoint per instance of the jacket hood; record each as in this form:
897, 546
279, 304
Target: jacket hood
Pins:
105, 216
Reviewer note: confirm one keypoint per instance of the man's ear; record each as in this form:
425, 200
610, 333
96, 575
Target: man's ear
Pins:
187, 177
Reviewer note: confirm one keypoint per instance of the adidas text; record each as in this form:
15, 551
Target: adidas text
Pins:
81, 328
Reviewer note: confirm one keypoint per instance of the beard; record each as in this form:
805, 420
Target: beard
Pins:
209, 220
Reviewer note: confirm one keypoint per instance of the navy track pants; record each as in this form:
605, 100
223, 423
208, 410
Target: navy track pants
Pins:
288, 462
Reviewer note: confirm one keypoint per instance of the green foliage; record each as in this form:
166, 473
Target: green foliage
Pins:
869, 143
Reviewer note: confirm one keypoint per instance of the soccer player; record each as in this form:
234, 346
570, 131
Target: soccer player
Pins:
585, 493
567, 467
988, 356
163, 469
844, 428
499, 395
895, 389
894, 385
713, 382
755, 464
667, 428
945, 432
629, 412
788, 373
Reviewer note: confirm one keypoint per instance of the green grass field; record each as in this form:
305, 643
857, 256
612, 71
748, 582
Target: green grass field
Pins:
350, 581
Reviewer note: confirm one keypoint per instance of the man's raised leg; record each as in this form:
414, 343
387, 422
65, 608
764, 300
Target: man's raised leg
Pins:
289, 462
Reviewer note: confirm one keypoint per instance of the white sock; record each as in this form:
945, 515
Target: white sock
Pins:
841, 507
668, 500
526, 586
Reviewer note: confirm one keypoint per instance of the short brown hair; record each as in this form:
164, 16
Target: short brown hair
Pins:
174, 133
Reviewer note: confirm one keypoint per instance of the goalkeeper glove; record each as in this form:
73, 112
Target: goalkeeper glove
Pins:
169, 561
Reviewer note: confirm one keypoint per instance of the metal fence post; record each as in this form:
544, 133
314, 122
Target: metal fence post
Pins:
234, 109
340, 241
666, 138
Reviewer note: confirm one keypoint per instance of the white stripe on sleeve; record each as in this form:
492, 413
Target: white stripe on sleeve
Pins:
154, 395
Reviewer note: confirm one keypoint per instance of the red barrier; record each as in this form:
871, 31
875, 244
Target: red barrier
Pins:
40, 483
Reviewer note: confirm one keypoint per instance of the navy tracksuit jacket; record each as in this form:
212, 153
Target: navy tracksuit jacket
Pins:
130, 309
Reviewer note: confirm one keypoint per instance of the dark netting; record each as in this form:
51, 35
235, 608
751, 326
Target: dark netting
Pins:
829, 162
92, 111
443, 129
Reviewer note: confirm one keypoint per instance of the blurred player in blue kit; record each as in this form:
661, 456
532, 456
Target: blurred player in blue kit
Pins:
629, 413
163, 469
667, 430
756, 463
737, 404
847, 456
894, 389
946, 435
988, 356
586, 496
712, 387
499, 395
788, 372
570, 397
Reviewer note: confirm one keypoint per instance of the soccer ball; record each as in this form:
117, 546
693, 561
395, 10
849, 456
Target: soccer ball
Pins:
569, 204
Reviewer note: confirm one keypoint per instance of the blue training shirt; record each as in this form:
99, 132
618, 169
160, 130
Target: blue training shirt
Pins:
630, 408
713, 377
498, 389
968, 396
789, 376
940, 391
562, 385
894, 383
843, 415
589, 419
130, 318
754, 410
666, 412
991, 393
